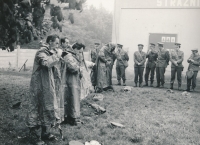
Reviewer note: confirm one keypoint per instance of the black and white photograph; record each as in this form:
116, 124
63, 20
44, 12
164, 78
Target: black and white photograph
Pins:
99, 72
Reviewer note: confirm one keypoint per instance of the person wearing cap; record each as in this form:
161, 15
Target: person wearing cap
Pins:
122, 58
104, 65
95, 51
71, 78
161, 64
139, 59
176, 58
152, 56
194, 63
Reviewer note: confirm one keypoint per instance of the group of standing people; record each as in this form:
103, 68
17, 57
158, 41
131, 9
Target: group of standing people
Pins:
158, 60
154, 61
56, 85
59, 78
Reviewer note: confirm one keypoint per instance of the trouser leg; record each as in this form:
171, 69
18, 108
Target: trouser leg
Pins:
162, 75
123, 74
141, 71
194, 78
118, 73
179, 76
152, 74
158, 75
173, 76
136, 74
147, 71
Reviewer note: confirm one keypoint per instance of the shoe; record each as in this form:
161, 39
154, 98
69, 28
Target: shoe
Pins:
135, 85
140, 85
124, 84
171, 87
192, 90
161, 86
146, 85
119, 83
158, 86
180, 89
151, 85
47, 136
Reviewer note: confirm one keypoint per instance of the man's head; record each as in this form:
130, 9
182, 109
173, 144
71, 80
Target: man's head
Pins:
96, 45
177, 46
194, 51
53, 41
78, 47
160, 45
119, 46
140, 47
152, 46
64, 42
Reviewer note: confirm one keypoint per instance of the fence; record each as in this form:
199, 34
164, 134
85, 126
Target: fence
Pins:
18, 57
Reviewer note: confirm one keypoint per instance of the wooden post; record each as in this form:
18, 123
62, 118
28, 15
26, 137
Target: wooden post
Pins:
17, 56
25, 67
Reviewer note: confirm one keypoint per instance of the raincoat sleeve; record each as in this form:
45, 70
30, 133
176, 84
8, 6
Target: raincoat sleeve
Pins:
48, 61
102, 56
71, 64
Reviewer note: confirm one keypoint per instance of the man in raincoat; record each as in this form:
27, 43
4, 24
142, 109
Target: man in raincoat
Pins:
44, 106
94, 55
104, 64
71, 78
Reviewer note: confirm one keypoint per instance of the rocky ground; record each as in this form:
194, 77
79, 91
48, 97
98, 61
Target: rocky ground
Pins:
150, 116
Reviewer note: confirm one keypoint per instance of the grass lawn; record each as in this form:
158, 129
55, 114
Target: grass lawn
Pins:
151, 116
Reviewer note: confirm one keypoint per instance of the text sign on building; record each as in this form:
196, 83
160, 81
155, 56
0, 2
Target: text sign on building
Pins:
165, 4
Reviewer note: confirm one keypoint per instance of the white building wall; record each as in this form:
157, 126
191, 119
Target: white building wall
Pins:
136, 21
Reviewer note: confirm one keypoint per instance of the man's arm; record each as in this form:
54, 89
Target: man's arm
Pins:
144, 59
134, 58
47, 61
126, 56
182, 58
171, 59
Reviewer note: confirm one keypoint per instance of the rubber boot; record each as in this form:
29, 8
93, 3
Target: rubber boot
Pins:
119, 82
124, 83
171, 86
135, 85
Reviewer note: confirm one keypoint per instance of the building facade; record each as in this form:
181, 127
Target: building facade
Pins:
152, 21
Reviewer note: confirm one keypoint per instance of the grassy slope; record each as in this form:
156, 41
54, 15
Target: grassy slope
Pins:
151, 116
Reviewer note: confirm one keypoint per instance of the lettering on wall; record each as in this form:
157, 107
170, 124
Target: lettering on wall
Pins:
178, 3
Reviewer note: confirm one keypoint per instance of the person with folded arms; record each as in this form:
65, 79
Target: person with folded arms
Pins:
194, 63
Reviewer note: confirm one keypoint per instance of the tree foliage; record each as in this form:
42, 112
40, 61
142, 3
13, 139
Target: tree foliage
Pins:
91, 25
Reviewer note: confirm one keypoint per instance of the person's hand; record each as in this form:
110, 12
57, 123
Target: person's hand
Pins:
175, 63
139, 63
107, 63
59, 52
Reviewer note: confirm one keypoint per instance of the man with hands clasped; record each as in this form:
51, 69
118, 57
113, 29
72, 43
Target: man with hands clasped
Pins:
176, 58
139, 59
